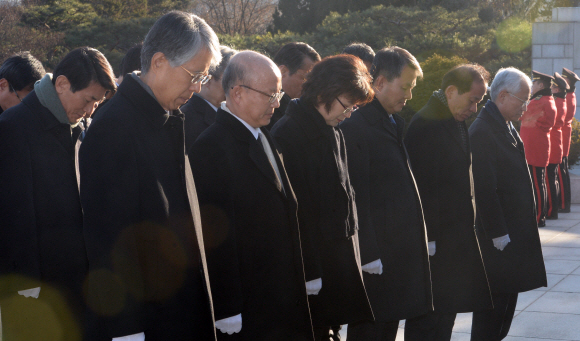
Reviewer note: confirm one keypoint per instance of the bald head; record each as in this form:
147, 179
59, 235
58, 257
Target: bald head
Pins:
248, 68
249, 82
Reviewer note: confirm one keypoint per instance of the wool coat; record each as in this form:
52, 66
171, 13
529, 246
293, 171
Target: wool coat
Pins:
567, 128
41, 220
505, 205
390, 216
316, 161
442, 169
198, 116
556, 148
141, 236
251, 229
537, 122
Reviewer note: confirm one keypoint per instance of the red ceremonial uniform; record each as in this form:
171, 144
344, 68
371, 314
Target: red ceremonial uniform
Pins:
537, 122
567, 128
556, 151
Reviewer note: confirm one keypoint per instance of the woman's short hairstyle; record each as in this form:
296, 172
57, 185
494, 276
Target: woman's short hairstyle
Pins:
85, 65
338, 75
179, 36
509, 79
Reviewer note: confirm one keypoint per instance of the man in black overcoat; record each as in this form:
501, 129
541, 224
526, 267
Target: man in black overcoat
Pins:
43, 263
438, 145
506, 215
142, 223
201, 108
392, 234
294, 60
249, 212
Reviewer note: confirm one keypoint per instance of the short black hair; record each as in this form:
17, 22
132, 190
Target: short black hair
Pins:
464, 75
390, 62
84, 65
22, 70
361, 50
131, 61
342, 74
292, 56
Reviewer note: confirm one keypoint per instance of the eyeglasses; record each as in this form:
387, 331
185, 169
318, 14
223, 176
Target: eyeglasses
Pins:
14, 91
524, 103
347, 110
273, 97
197, 77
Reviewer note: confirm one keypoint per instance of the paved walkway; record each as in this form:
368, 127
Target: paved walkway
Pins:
551, 313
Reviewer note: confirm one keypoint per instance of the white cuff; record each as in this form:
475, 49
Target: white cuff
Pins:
431, 246
134, 337
30, 292
501, 242
314, 286
374, 267
230, 325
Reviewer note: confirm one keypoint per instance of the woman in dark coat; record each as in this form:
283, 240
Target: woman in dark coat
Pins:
314, 154
505, 205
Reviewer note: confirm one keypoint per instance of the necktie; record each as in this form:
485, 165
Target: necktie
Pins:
262, 139
393, 121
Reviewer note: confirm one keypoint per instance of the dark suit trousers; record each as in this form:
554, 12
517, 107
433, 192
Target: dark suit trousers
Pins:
494, 324
553, 186
376, 331
540, 192
565, 195
430, 327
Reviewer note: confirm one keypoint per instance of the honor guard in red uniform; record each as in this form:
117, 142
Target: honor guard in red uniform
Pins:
565, 196
537, 121
559, 87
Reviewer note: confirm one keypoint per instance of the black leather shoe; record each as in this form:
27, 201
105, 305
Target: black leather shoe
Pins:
542, 224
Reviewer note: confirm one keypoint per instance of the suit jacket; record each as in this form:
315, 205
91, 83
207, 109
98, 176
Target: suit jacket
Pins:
390, 214
505, 205
198, 116
41, 220
251, 229
140, 233
443, 172
315, 158
537, 122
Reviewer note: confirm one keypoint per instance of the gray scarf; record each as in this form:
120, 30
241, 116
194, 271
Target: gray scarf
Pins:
48, 97
440, 94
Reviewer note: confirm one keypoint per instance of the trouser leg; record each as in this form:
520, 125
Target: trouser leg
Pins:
538, 175
553, 187
565, 190
376, 331
430, 327
494, 324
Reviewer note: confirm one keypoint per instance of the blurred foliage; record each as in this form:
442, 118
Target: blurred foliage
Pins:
574, 155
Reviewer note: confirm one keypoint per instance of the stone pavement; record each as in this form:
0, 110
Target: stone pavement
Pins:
551, 313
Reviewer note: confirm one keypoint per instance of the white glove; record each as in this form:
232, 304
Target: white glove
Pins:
501, 242
374, 267
314, 286
230, 325
30, 292
431, 246
134, 337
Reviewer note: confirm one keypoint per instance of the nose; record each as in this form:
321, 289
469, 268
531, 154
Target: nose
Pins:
276, 103
195, 88
90, 108
408, 95
347, 115
473, 107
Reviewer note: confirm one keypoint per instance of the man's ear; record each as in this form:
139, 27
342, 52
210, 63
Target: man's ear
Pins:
4, 86
451, 91
158, 62
379, 83
284, 70
61, 84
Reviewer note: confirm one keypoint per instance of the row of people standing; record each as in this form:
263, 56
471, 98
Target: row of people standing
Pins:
318, 224
546, 129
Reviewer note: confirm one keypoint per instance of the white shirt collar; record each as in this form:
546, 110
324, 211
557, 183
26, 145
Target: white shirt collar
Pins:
211, 105
254, 131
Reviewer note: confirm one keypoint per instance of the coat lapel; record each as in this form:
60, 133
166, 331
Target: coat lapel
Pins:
453, 130
258, 155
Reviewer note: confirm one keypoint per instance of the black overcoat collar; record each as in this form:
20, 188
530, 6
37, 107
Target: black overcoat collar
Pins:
310, 120
491, 114
255, 148
203, 106
441, 112
146, 105
375, 113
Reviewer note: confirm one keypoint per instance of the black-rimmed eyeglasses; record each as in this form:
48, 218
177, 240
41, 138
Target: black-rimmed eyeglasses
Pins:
197, 77
14, 91
273, 97
346, 109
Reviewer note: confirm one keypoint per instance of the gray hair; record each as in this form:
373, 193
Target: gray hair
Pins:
216, 71
234, 73
179, 36
509, 79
